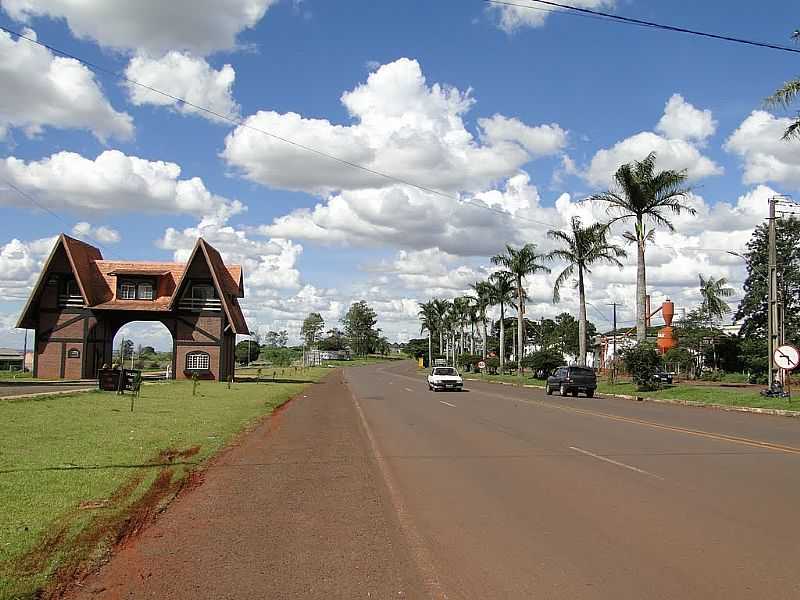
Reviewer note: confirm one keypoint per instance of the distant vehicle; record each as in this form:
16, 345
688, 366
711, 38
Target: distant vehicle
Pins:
439, 362
662, 377
445, 378
571, 380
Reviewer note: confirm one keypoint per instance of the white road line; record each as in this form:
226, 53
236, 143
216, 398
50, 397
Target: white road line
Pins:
408, 390
614, 462
448, 404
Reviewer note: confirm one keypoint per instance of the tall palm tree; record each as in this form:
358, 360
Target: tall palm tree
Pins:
501, 294
581, 248
645, 196
461, 315
783, 98
519, 263
441, 308
713, 307
482, 297
428, 319
713, 291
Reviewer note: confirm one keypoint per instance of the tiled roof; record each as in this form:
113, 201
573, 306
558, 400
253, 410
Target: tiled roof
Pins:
97, 279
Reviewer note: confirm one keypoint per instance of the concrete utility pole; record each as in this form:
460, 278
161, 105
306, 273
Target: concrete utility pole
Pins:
614, 345
772, 290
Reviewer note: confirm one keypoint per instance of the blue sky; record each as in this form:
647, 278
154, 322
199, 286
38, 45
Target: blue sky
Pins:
574, 87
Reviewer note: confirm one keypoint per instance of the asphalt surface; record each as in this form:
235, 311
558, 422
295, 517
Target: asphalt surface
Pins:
28, 389
382, 489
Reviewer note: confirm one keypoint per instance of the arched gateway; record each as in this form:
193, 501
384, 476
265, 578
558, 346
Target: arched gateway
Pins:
80, 301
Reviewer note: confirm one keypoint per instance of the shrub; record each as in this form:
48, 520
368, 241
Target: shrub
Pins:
642, 361
492, 364
543, 362
468, 362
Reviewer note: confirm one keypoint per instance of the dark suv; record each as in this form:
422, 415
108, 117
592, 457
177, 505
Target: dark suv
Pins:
571, 380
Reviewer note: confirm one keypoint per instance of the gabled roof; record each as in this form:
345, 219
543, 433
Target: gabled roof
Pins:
97, 280
81, 258
227, 288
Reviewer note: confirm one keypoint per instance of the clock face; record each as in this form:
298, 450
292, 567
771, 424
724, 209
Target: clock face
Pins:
786, 357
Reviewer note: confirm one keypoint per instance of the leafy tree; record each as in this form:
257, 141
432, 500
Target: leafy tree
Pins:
543, 362
334, 340
784, 96
313, 325
276, 339
519, 263
543, 333
359, 327
752, 309
501, 294
127, 348
581, 249
567, 334
680, 357
417, 348
149, 350
247, 351
642, 362
645, 196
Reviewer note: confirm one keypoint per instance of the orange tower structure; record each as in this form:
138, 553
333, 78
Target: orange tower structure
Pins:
666, 335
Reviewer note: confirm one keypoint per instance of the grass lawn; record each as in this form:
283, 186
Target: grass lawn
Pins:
15, 375
72, 468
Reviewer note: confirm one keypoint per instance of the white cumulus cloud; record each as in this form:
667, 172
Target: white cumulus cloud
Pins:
766, 156
183, 76
154, 26
42, 90
101, 233
403, 126
112, 181
512, 18
682, 121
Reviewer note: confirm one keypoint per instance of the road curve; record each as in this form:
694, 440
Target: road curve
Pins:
371, 486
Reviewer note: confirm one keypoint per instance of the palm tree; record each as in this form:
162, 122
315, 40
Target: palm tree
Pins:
783, 98
582, 248
713, 306
713, 291
429, 319
501, 294
482, 298
440, 308
461, 315
519, 263
644, 195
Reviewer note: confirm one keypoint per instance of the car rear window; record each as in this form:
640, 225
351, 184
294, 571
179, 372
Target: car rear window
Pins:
581, 371
444, 371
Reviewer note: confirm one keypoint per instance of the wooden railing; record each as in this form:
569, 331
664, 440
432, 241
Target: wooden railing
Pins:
64, 300
200, 304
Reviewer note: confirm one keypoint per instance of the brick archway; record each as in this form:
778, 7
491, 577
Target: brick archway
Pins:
81, 301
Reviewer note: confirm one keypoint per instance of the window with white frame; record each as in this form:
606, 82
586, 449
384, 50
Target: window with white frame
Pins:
145, 291
198, 361
127, 290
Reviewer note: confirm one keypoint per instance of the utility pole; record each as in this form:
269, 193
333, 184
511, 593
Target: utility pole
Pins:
772, 286
614, 345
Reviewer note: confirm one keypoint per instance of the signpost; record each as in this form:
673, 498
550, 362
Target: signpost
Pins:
482, 365
786, 357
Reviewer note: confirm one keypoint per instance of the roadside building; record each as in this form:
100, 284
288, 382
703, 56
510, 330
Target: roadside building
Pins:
11, 360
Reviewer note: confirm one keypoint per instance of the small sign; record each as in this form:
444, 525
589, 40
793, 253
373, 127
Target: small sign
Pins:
481, 365
73, 353
786, 357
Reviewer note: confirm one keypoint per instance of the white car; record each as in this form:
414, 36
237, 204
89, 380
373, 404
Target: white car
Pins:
445, 378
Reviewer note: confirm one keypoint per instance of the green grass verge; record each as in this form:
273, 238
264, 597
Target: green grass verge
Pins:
707, 394
15, 375
58, 453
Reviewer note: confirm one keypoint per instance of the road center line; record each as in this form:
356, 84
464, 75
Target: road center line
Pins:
448, 404
615, 462
408, 390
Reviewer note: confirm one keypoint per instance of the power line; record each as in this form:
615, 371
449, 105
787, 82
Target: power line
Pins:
642, 23
242, 123
41, 206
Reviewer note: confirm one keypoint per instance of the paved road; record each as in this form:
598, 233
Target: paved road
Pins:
498, 492
31, 389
